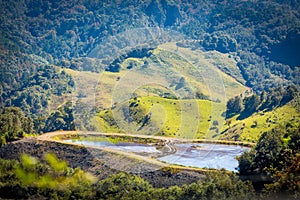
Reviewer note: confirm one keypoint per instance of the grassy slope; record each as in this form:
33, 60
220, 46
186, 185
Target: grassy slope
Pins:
175, 118
178, 118
168, 63
203, 70
168, 112
200, 70
251, 128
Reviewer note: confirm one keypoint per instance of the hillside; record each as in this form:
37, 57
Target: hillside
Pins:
251, 128
260, 35
90, 53
202, 75
161, 79
189, 119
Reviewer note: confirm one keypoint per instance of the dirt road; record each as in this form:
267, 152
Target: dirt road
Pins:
167, 149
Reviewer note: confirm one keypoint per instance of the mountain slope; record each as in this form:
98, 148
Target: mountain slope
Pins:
160, 116
252, 31
251, 128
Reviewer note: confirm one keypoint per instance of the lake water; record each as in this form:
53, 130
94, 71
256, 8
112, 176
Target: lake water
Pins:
202, 155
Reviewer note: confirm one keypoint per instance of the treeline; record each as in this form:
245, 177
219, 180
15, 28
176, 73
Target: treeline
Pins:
61, 119
265, 101
51, 178
14, 124
141, 52
253, 30
25, 103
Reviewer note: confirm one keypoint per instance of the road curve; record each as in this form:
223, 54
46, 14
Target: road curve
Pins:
168, 148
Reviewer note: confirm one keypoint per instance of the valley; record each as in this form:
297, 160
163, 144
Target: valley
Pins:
152, 99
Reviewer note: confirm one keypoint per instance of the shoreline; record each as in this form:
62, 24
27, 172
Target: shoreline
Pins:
52, 135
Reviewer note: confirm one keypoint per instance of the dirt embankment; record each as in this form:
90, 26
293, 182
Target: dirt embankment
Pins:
103, 162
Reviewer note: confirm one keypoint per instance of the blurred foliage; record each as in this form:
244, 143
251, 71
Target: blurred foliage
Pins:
30, 178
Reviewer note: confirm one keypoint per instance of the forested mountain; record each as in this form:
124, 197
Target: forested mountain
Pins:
231, 68
254, 42
262, 35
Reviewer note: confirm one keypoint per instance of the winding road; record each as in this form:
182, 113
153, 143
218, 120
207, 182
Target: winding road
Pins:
168, 143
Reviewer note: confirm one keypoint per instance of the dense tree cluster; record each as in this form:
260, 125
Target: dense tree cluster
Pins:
13, 124
233, 106
61, 119
33, 93
276, 155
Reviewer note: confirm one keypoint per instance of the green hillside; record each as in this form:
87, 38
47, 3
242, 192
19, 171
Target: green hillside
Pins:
169, 83
251, 128
203, 75
160, 116
192, 119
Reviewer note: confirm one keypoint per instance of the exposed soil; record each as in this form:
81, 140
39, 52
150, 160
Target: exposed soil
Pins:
104, 162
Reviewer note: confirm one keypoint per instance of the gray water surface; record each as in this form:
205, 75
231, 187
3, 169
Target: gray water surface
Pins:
206, 155
202, 155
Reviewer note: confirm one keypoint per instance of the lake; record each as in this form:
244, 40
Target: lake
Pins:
206, 155
202, 155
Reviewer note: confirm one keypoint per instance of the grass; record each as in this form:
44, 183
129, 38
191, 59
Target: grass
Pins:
167, 65
251, 128
86, 84
206, 70
187, 119
225, 63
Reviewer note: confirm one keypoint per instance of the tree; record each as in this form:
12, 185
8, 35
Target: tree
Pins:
181, 83
62, 119
289, 94
277, 156
251, 104
218, 185
13, 124
233, 106
124, 186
